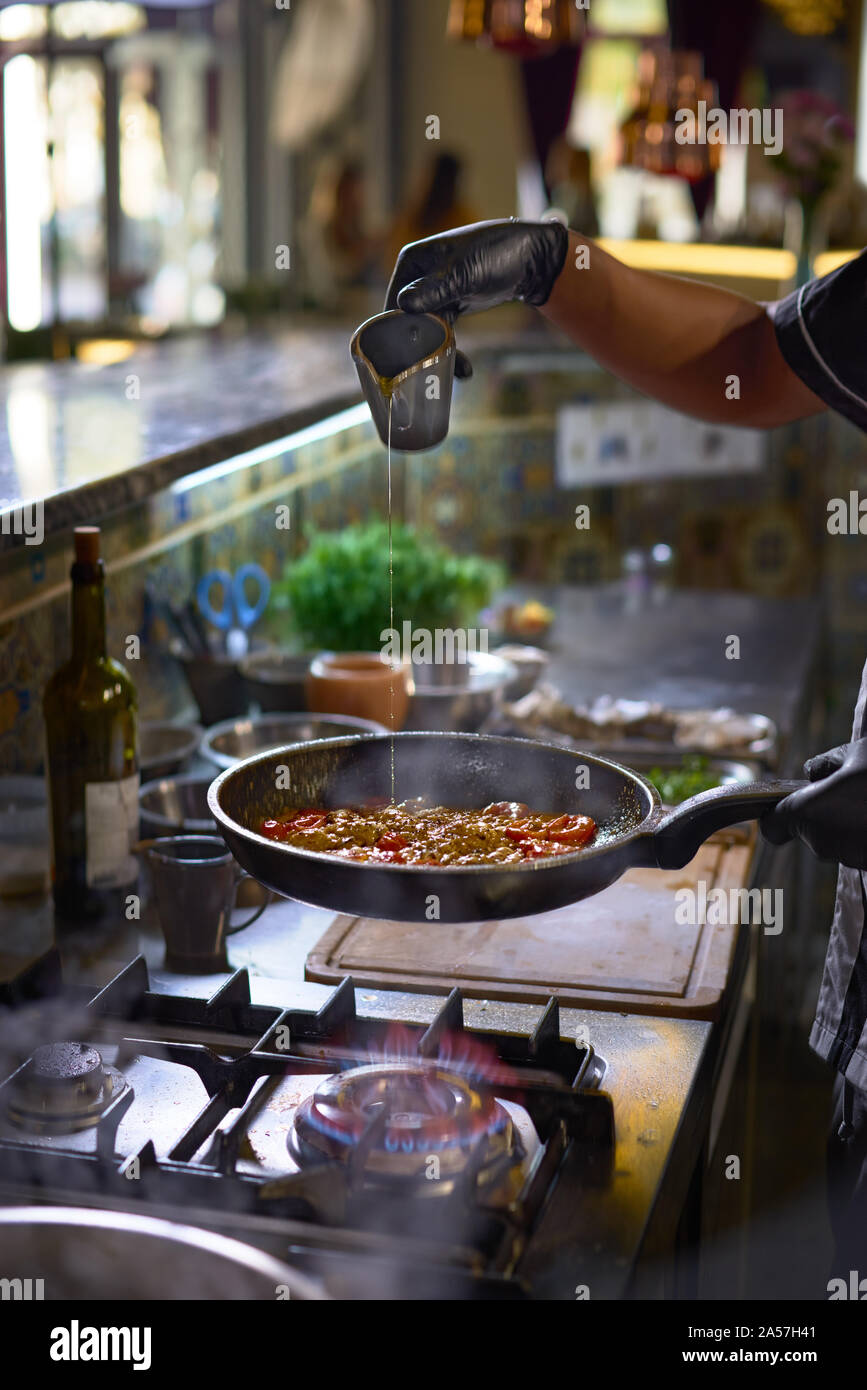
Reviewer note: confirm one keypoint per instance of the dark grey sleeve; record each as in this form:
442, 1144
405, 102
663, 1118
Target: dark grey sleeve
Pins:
822, 333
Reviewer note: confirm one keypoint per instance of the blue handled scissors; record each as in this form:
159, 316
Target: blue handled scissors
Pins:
233, 611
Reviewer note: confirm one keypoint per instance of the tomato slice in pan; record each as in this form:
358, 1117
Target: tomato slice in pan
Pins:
559, 823
577, 830
520, 830
391, 841
274, 829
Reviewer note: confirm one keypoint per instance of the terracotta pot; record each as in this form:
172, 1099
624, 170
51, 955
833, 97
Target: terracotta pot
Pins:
359, 683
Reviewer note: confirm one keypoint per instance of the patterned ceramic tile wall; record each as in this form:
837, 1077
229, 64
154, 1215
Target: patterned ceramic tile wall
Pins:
165, 544
492, 486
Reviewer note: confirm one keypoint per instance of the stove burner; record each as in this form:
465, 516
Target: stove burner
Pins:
405, 1120
64, 1087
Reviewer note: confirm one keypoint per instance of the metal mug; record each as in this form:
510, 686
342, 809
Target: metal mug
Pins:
409, 360
195, 880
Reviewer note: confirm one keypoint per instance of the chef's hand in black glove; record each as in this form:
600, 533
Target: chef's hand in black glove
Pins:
830, 815
477, 267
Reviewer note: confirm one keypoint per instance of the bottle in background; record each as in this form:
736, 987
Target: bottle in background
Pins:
92, 756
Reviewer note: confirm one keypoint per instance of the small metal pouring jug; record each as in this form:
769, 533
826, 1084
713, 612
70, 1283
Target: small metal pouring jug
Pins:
410, 360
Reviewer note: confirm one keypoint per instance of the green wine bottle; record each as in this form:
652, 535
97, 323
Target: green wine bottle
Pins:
92, 756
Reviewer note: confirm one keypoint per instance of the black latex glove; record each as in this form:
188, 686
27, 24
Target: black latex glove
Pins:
477, 267
830, 815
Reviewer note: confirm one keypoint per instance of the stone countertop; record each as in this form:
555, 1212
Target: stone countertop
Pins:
87, 441
673, 650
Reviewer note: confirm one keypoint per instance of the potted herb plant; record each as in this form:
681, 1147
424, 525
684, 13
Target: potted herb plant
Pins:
336, 595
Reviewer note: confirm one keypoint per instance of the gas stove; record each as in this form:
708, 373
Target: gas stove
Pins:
388, 1159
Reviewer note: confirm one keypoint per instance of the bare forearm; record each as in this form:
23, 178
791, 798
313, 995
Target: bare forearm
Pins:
695, 347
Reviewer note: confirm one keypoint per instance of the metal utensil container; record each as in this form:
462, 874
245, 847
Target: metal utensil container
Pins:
176, 805
458, 697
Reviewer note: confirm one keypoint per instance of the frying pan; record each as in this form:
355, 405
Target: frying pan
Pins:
465, 770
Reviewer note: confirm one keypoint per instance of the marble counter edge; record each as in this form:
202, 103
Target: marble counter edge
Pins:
98, 498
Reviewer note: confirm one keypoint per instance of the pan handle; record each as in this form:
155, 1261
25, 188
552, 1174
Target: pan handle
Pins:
678, 834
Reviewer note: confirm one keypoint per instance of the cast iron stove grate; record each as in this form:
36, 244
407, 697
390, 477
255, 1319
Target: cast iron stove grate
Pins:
357, 1200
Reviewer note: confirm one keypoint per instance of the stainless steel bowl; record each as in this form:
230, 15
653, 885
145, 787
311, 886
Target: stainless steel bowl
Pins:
164, 747
227, 743
275, 680
530, 664
457, 698
24, 810
176, 805
118, 1255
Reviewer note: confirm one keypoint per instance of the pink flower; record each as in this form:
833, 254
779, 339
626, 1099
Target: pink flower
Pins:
814, 132
840, 127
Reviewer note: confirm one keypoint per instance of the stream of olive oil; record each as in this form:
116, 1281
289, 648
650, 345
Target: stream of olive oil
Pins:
390, 603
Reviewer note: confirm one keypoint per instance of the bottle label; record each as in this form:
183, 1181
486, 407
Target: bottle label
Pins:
111, 830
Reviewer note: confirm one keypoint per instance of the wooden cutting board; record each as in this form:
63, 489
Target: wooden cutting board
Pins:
623, 949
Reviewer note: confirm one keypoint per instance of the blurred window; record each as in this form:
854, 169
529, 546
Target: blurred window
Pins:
97, 19
54, 161
644, 17
21, 22
76, 115
100, 222
28, 194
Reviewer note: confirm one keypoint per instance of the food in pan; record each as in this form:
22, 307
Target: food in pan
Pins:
506, 832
